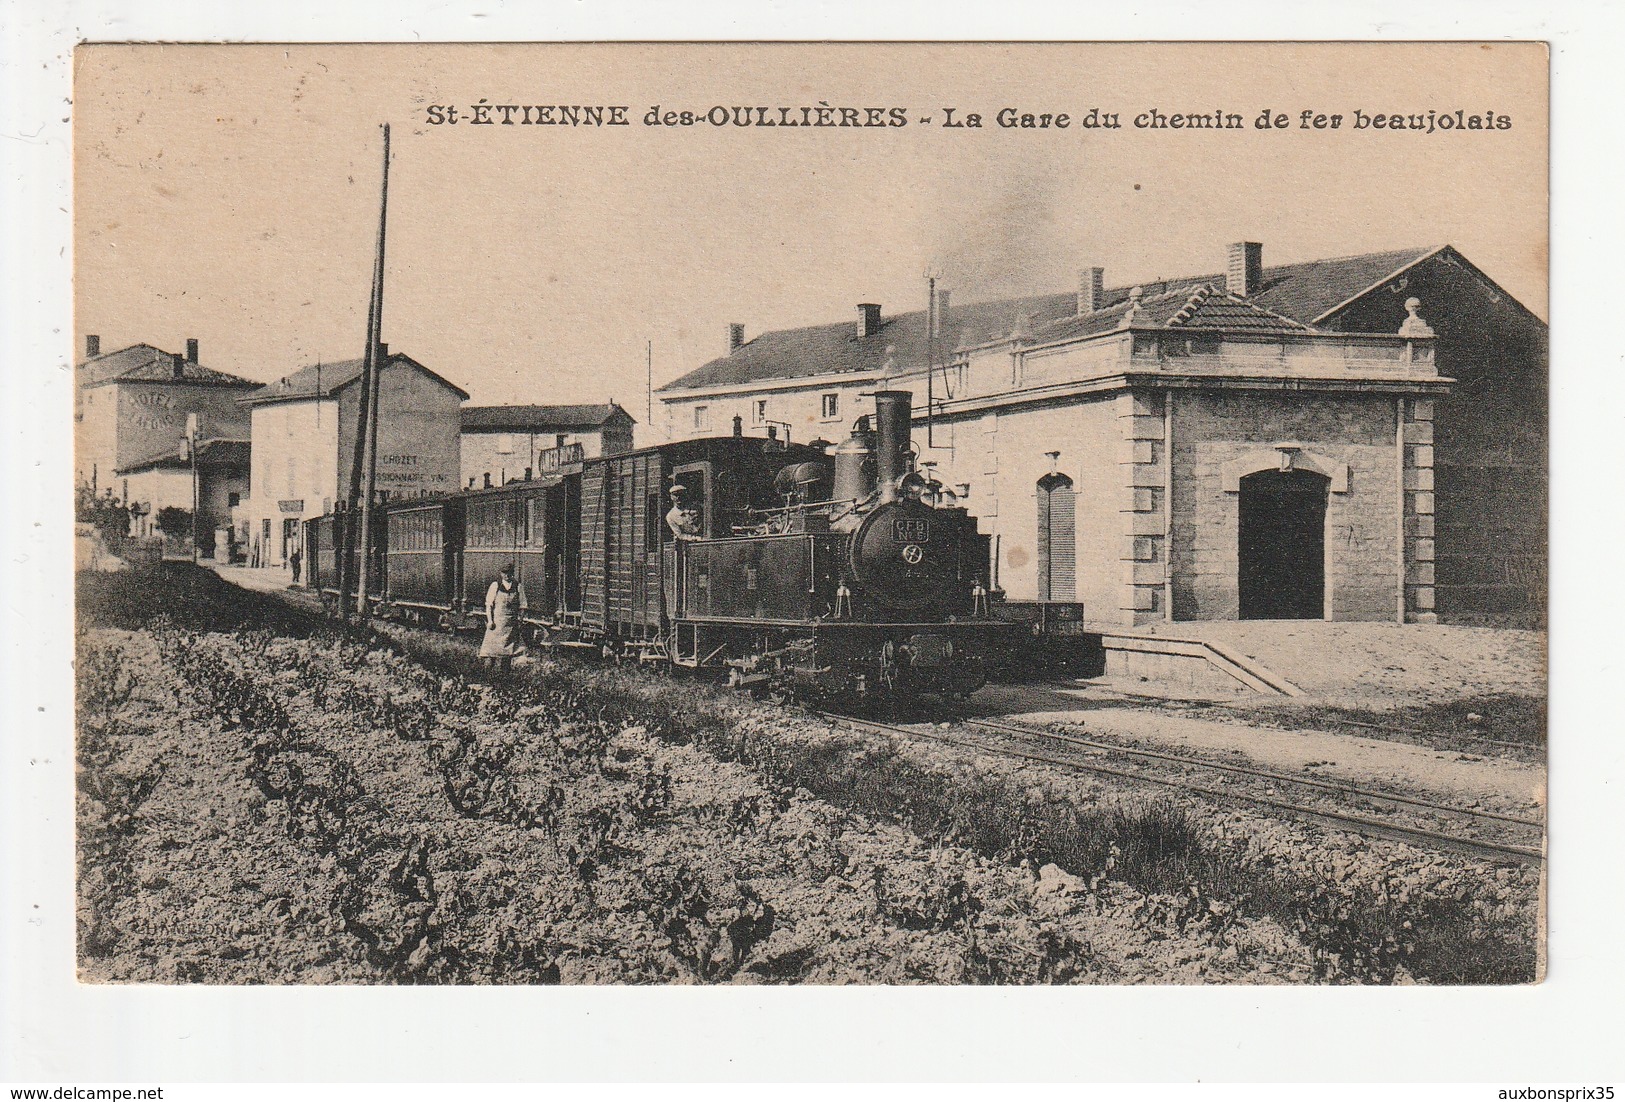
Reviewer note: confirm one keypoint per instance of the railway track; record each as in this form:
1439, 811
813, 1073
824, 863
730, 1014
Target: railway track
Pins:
1161, 703
1083, 755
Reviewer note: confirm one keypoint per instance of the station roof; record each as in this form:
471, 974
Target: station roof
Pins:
1293, 297
1205, 308
542, 419
144, 363
325, 380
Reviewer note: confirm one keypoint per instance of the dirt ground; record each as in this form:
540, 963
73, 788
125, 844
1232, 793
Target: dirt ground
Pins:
201, 863
1383, 666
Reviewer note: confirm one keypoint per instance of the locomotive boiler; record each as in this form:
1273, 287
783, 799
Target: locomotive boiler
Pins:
860, 580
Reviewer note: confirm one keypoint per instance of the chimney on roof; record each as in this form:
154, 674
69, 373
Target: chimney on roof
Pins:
739, 425
383, 351
868, 319
736, 337
191, 350
1244, 269
93, 346
178, 366
1091, 290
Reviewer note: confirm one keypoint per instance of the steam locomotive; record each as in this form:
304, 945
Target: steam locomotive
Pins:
781, 567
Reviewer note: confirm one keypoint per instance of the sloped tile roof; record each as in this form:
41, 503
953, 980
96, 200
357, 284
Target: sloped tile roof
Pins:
541, 418
836, 348
1290, 293
144, 363
327, 379
210, 453
1215, 308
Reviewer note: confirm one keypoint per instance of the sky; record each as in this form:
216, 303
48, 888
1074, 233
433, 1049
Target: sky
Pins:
230, 193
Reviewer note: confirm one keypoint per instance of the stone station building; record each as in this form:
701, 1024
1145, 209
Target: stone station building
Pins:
1360, 438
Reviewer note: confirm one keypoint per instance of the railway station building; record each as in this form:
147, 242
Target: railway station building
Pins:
1360, 438
303, 430
501, 444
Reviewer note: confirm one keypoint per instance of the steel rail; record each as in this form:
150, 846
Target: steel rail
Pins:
1269, 774
1153, 700
1359, 824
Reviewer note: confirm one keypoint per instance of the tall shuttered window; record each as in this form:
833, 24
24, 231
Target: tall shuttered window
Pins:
1057, 539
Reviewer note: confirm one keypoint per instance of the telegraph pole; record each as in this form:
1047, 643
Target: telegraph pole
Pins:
373, 372
191, 450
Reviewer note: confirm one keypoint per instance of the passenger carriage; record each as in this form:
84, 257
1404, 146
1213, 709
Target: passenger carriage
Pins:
424, 543
535, 526
324, 536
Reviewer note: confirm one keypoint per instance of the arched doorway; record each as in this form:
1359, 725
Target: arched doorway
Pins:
1057, 539
1281, 537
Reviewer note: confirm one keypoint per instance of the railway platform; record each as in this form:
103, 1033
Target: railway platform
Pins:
1348, 665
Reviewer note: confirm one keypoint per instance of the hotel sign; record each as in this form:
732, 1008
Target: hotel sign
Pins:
295, 505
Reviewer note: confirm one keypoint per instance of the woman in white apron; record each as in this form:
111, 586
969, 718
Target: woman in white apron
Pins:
504, 606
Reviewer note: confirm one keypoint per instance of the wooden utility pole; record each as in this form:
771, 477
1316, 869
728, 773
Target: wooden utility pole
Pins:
349, 533
192, 426
930, 359
374, 374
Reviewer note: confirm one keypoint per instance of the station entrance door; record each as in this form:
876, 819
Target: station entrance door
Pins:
1281, 535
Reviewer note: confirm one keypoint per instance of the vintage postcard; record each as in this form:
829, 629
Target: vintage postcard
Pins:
867, 514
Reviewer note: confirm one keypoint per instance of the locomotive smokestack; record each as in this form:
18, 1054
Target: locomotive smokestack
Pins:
892, 427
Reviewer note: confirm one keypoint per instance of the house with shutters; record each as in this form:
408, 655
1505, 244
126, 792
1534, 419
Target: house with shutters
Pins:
1357, 438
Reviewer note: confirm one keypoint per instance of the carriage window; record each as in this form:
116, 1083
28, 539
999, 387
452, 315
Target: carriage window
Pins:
1057, 539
